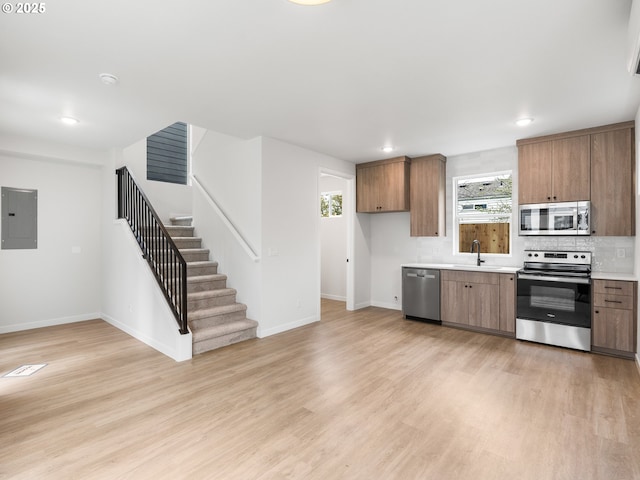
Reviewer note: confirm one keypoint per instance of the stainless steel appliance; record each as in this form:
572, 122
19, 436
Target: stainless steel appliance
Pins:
554, 299
421, 294
566, 218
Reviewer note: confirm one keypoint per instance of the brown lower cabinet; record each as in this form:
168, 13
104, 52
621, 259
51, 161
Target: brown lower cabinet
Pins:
486, 301
478, 300
613, 326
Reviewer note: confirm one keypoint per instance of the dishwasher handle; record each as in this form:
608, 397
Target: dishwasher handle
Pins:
419, 275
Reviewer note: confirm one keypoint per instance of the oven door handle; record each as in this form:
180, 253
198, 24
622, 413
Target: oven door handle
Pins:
544, 278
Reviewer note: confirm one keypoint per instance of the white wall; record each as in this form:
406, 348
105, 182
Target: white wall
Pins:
290, 234
167, 199
60, 281
131, 297
392, 246
230, 169
333, 243
362, 259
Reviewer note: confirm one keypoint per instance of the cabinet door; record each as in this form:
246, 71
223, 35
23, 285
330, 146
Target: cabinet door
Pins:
612, 180
454, 307
393, 194
507, 303
534, 172
366, 190
571, 169
483, 305
613, 329
427, 186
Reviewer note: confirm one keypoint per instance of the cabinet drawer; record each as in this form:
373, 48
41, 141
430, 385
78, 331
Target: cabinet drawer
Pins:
624, 302
613, 287
470, 277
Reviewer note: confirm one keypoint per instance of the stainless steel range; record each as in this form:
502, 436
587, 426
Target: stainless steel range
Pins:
554, 299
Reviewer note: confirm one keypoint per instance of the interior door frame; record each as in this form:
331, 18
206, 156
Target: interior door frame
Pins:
349, 213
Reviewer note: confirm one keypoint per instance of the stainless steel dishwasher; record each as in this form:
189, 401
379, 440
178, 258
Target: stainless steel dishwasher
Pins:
421, 294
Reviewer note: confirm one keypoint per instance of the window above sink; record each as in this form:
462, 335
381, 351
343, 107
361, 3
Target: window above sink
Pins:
483, 211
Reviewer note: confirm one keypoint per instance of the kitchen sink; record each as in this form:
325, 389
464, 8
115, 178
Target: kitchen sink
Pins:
482, 268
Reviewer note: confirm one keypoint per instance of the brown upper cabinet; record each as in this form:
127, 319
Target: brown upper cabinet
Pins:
613, 183
428, 196
596, 164
553, 170
383, 186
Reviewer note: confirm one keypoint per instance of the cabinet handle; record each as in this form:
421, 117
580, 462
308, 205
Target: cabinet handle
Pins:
593, 231
548, 198
614, 288
597, 311
554, 197
612, 301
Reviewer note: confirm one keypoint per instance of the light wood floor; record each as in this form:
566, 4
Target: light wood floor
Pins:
359, 395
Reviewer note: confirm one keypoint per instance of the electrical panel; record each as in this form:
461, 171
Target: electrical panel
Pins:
19, 218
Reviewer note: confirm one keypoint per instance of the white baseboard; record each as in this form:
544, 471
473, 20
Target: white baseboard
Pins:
18, 327
638, 361
180, 352
361, 305
391, 306
287, 326
333, 297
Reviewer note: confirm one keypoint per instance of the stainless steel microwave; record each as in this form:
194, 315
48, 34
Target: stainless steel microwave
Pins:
565, 218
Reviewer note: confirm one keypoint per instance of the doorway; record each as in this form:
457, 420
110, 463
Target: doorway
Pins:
336, 236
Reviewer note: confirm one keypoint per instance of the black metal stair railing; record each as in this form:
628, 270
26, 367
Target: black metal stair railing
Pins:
158, 248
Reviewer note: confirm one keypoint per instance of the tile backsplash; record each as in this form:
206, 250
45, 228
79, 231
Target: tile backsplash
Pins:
609, 254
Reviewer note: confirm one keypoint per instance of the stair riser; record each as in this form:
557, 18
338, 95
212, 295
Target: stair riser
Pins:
180, 231
217, 320
192, 242
199, 271
181, 242
217, 301
193, 287
195, 256
183, 222
223, 341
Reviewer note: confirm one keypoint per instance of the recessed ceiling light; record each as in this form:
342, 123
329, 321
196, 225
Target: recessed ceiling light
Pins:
387, 148
523, 122
309, 2
69, 120
108, 79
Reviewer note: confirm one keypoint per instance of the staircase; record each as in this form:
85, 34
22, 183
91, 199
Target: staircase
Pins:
215, 318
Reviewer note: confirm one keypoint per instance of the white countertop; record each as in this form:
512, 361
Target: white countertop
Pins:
468, 267
627, 277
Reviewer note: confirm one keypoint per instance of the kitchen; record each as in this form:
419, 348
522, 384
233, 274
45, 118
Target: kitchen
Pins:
613, 256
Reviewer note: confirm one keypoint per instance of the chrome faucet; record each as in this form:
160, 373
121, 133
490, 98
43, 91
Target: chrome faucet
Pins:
477, 242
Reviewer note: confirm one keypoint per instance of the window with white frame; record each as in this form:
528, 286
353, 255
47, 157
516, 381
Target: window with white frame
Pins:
483, 211
331, 204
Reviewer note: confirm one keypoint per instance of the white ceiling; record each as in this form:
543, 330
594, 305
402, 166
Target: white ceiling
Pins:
344, 78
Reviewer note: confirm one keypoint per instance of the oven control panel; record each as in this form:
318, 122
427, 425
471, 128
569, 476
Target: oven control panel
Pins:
573, 258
